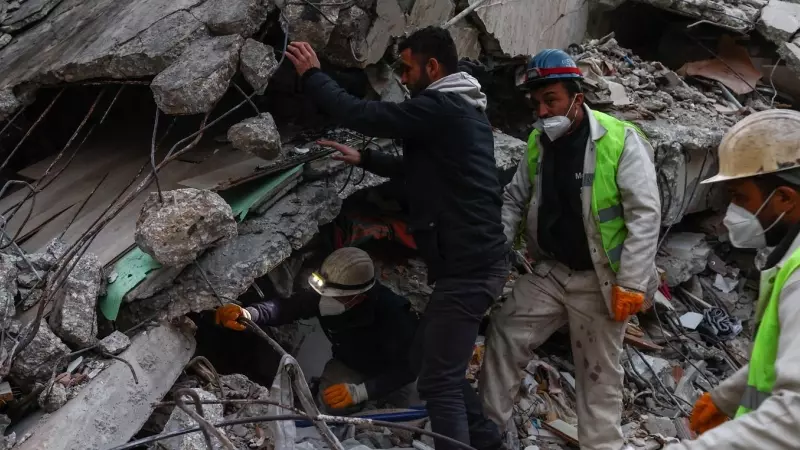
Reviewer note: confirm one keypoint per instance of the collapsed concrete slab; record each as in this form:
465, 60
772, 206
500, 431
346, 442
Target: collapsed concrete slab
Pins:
28, 12
779, 21
790, 51
426, 13
36, 361
523, 28
467, 39
389, 23
179, 420
81, 40
732, 14
112, 407
188, 222
74, 317
243, 17
115, 343
257, 135
257, 63
199, 77
263, 243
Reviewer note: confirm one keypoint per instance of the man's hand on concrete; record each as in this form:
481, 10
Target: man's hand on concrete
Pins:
347, 154
302, 56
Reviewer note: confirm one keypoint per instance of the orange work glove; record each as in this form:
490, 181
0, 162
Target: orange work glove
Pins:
229, 314
705, 415
343, 395
625, 302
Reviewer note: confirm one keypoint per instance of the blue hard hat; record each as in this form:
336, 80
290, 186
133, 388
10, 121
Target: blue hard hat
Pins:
549, 64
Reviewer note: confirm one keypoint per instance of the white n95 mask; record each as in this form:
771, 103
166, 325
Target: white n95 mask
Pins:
329, 306
557, 126
744, 229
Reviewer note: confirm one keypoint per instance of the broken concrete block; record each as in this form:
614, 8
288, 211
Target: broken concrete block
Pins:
347, 44
660, 425
684, 255
508, 150
45, 259
790, 51
390, 22
115, 343
779, 21
243, 17
385, 83
29, 12
189, 221
199, 78
112, 407
312, 24
8, 103
257, 63
467, 39
8, 286
179, 420
257, 135
36, 361
74, 317
5, 39
50, 400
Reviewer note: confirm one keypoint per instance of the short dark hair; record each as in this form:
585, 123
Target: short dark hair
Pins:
572, 85
433, 42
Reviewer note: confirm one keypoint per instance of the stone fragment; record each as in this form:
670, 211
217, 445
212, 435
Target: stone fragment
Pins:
312, 24
45, 259
8, 103
427, 13
109, 409
29, 12
199, 78
684, 255
74, 317
179, 420
5, 39
660, 425
189, 221
36, 361
243, 17
467, 39
385, 83
508, 151
257, 63
779, 21
8, 287
390, 22
7, 441
115, 343
50, 400
257, 135
791, 53
347, 45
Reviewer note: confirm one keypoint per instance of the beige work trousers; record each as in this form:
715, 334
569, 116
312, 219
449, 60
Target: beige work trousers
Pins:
539, 305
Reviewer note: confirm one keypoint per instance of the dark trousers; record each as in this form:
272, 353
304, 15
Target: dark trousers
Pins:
442, 349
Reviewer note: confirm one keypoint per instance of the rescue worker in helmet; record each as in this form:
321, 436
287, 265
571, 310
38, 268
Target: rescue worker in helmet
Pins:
758, 160
593, 216
370, 328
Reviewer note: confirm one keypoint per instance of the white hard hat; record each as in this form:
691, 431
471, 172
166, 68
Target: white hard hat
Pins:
347, 271
762, 143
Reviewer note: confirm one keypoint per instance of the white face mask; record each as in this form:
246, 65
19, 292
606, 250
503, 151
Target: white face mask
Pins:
557, 126
744, 229
329, 306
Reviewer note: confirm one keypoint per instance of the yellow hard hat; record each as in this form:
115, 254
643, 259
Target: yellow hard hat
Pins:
762, 143
347, 271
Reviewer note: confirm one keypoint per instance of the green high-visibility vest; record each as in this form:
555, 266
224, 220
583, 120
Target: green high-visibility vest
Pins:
761, 375
606, 199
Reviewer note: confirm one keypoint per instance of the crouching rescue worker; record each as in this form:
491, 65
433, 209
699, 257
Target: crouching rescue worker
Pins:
593, 217
758, 161
370, 328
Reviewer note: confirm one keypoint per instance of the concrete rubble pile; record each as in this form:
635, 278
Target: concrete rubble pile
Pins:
90, 377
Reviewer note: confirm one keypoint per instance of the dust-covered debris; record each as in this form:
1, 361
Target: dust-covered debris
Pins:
74, 317
54, 398
243, 17
683, 255
188, 222
36, 361
181, 420
8, 286
257, 63
115, 343
257, 135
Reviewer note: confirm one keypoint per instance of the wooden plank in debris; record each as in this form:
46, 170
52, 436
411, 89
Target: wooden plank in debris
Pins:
226, 177
642, 343
563, 430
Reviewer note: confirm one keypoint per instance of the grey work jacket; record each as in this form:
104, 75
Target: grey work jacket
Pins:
636, 180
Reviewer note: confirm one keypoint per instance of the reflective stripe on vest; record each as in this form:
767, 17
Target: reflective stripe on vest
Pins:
761, 375
606, 199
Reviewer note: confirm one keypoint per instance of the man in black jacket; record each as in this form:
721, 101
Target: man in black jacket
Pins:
454, 201
370, 329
